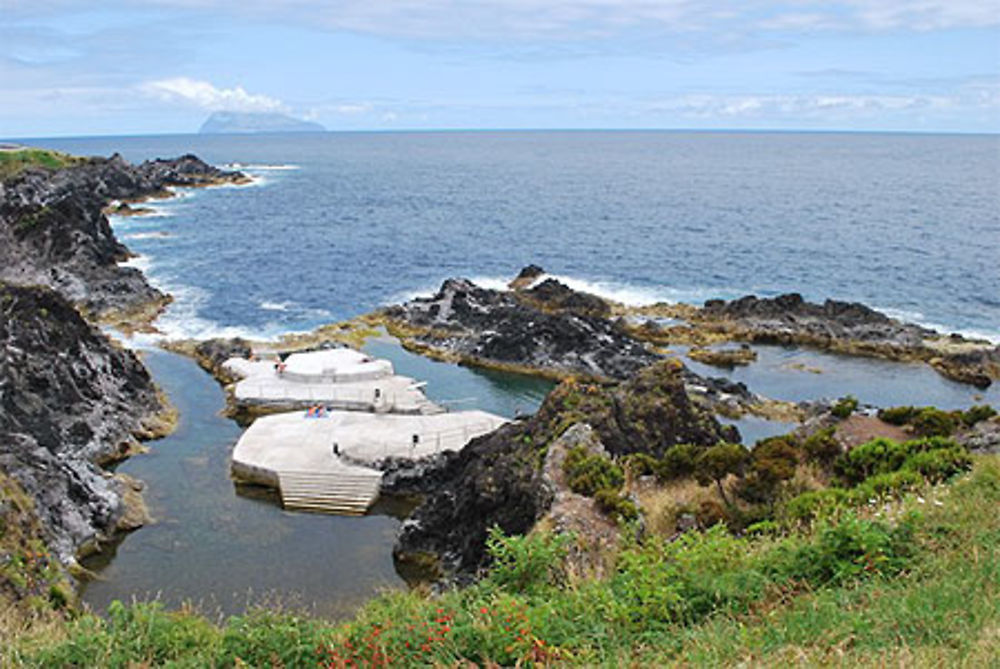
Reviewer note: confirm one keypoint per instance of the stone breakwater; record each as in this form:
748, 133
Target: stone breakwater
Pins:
54, 231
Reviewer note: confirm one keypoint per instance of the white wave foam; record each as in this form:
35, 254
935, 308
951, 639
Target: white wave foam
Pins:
274, 306
152, 234
261, 167
627, 294
918, 318
139, 262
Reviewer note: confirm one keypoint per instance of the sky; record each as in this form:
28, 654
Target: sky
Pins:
119, 67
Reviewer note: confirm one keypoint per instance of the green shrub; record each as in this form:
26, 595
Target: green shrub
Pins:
845, 406
678, 461
932, 422
527, 563
716, 463
877, 456
616, 505
939, 464
821, 446
977, 413
772, 462
845, 549
587, 473
641, 464
890, 484
898, 415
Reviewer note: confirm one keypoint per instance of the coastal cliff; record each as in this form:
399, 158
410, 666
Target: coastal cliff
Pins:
71, 401
54, 232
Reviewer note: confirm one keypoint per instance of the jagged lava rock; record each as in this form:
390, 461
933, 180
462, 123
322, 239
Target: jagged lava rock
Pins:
486, 326
497, 479
53, 231
70, 399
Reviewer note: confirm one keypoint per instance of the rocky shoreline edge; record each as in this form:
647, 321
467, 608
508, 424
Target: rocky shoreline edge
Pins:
603, 354
73, 400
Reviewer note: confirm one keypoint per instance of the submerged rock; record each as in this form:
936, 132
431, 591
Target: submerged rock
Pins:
70, 400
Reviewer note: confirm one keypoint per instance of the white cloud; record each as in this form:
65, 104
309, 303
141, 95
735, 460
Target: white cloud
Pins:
815, 107
207, 96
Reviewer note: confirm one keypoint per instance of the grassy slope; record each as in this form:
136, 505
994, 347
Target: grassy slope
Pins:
13, 162
711, 599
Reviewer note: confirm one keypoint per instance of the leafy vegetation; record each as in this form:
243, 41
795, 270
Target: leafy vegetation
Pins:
845, 406
914, 582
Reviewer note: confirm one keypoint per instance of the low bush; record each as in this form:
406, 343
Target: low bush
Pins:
808, 506
977, 413
678, 461
939, 464
616, 505
587, 473
898, 415
846, 548
845, 406
932, 422
891, 484
821, 446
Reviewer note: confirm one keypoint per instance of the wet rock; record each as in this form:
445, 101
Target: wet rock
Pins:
527, 276
724, 357
843, 327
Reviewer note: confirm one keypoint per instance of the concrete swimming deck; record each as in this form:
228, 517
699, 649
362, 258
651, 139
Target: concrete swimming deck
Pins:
294, 452
337, 378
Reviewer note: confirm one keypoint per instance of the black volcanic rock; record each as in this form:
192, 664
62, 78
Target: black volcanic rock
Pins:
497, 478
53, 231
852, 328
69, 400
497, 327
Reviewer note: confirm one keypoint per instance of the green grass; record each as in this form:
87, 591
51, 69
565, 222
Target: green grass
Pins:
912, 582
13, 162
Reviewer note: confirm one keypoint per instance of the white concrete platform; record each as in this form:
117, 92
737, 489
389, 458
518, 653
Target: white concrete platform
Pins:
294, 452
358, 383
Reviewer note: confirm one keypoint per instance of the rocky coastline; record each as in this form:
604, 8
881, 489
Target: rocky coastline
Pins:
54, 231
72, 401
849, 328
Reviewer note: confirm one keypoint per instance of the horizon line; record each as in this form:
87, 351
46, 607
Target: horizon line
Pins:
818, 131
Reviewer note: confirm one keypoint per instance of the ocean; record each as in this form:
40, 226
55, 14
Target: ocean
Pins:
336, 225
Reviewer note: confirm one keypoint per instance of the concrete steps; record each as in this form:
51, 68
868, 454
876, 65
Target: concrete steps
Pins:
339, 493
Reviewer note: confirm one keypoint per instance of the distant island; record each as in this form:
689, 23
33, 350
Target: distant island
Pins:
255, 122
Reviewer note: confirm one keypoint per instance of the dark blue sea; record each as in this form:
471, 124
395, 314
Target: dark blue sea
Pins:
338, 224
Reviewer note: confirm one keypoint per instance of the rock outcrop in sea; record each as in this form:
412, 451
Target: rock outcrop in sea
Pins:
70, 400
842, 327
53, 230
